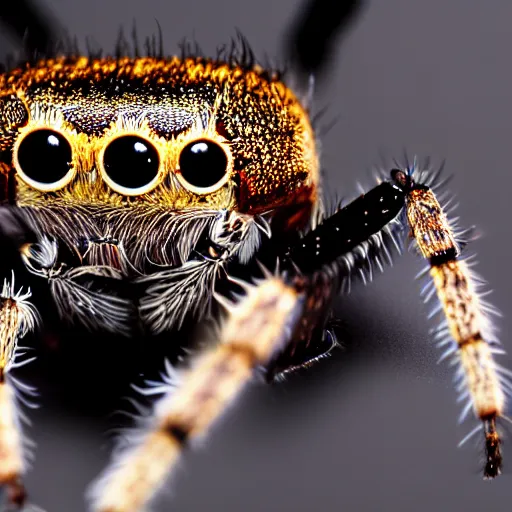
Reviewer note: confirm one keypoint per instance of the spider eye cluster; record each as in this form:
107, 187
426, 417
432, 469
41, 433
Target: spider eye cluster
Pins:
129, 164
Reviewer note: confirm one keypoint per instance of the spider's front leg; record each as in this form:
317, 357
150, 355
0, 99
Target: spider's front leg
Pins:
17, 317
256, 328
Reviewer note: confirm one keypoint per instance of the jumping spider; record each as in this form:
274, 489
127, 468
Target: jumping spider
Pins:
167, 185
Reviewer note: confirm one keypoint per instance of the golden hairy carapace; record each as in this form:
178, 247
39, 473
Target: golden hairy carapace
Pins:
259, 123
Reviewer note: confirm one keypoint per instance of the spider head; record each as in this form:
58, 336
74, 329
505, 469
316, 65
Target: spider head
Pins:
180, 133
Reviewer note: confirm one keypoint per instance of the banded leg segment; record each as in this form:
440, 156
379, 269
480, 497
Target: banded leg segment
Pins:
464, 312
256, 329
17, 317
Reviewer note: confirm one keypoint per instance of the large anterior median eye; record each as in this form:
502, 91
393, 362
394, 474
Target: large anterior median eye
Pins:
131, 165
43, 159
204, 166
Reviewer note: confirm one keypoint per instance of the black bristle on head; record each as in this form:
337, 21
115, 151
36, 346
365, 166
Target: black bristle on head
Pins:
120, 48
135, 40
161, 52
41, 40
247, 54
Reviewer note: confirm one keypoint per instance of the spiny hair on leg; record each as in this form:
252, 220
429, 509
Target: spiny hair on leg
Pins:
28, 315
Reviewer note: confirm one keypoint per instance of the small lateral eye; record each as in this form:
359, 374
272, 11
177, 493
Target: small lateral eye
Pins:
131, 165
43, 159
204, 166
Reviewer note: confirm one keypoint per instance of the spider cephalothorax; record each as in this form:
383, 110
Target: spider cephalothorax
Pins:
143, 147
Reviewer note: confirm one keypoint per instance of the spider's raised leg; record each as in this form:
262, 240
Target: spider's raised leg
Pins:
350, 234
255, 330
348, 242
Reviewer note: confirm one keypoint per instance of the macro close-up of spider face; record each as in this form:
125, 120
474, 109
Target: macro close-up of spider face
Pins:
180, 223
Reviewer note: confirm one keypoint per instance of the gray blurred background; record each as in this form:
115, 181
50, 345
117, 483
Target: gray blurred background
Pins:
374, 427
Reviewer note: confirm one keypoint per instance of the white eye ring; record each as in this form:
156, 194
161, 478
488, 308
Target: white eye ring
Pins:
205, 165
51, 152
121, 154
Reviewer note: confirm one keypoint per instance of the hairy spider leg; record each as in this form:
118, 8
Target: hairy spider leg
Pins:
17, 317
359, 235
483, 382
256, 328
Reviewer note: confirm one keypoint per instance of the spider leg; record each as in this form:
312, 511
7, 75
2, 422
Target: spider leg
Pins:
17, 317
346, 242
467, 327
311, 38
30, 26
366, 220
355, 235
256, 328
312, 340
